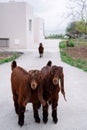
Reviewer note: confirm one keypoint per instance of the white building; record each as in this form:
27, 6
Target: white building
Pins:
38, 30
17, 26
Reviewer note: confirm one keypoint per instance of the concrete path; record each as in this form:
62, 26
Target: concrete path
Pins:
72, 114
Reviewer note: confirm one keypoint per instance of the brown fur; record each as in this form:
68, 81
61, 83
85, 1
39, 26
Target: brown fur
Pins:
23, 93
41, 49
20, 90
20, 84
58, 75
36, 80
53, 82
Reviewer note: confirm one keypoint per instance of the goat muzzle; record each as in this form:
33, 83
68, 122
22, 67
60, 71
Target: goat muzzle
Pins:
55, 81
33, 85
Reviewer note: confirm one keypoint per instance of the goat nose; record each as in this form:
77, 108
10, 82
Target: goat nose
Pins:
55, 81
34, 85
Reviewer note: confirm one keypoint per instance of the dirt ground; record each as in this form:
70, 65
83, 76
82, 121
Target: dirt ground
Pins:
8, 54
77, 52
5, 55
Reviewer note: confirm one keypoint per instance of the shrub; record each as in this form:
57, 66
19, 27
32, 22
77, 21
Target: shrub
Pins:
62, 44
70, 43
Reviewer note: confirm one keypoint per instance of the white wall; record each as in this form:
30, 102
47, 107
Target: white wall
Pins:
14, 24
38, 30
30, 33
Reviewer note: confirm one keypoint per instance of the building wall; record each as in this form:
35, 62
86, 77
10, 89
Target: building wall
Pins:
38, 30
17, 24
12, 23
29, 27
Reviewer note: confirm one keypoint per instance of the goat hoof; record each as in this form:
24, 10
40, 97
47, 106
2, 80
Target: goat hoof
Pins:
21, 123
37, 120
45, 120
55, 120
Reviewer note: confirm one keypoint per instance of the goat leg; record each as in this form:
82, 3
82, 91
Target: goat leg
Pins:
21, 116
45, 113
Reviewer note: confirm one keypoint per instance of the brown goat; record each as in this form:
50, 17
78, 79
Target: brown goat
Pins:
41, 49
36, 99
50, 89
25, 91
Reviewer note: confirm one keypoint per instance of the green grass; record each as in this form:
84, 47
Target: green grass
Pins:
62, 44
13, 57
69, 60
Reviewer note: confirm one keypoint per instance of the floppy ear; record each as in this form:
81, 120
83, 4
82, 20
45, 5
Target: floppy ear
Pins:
62, 84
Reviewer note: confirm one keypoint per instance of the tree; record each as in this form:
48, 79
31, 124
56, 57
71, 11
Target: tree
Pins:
78, 9
81, 27
71, 28
76, 27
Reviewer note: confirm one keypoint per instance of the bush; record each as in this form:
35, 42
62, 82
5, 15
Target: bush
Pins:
62, 44
69, 43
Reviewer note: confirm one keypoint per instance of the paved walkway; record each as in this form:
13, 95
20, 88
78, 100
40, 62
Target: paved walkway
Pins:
72, 114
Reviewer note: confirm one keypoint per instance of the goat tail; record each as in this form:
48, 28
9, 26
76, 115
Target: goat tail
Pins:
49, 63
13, 65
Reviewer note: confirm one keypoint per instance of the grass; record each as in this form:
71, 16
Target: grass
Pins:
14, 55
82, 64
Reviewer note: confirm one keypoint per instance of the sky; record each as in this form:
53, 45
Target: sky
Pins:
54, 13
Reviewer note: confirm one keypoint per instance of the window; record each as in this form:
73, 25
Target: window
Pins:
30, 25
4, 42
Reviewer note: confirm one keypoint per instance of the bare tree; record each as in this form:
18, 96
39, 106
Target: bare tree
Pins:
78, 9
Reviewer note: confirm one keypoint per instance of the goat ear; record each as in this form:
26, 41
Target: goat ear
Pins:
30, 72
62, 85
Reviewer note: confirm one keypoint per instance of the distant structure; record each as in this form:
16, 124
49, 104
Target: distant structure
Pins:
19, 28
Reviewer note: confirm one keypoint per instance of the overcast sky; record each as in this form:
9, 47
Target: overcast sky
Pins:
54, 13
